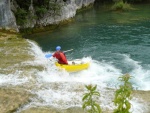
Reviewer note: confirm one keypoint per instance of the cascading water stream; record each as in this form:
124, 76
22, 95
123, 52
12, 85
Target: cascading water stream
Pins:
54, 87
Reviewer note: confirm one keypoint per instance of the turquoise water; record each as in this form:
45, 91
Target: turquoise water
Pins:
120, 39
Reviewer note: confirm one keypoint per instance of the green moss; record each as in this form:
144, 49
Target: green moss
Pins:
8, 32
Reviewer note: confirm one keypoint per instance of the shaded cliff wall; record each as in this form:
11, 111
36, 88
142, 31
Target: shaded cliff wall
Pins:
7, 18
68, 10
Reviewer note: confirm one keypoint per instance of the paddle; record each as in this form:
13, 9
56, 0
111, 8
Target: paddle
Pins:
49, 55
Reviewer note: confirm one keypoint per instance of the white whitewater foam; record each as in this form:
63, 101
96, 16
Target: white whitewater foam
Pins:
141, 76
62, 89
11, 79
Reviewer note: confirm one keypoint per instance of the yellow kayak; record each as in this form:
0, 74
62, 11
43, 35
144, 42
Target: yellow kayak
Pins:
74, 66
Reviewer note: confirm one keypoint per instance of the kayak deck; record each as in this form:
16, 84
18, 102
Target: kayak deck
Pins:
74, 66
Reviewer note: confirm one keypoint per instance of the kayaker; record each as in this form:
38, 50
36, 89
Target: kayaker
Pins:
60, 56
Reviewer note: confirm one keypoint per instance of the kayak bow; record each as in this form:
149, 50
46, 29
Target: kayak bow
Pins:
74, 66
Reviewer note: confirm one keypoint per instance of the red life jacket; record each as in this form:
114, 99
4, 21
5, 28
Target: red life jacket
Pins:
61, 57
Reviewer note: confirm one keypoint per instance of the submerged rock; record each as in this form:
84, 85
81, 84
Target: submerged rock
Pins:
144, 98
11, 99
54, 110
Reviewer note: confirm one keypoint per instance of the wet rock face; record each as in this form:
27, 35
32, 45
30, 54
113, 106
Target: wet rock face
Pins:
7, 18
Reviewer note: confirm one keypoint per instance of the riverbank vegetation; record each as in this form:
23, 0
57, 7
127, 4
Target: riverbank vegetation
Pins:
123, 95
30, 10
26, 9
121, 100
89, 103
120, 5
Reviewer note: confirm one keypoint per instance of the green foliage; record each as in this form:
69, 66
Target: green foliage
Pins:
55, 7
133, 1
89, 104
21, 15
40, 11
123, 95
41, 7
120, 5
24, 4
41, 2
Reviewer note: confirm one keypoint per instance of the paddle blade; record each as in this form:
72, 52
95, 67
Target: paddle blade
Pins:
48, 55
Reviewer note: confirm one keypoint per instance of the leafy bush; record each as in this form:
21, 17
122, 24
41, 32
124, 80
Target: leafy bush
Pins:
24, 4
89, 104
41, 7
55, 7
123, 95
21, 16
40, 11
120, 5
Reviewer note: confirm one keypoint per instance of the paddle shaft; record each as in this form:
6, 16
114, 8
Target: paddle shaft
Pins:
68, 50
49, 55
